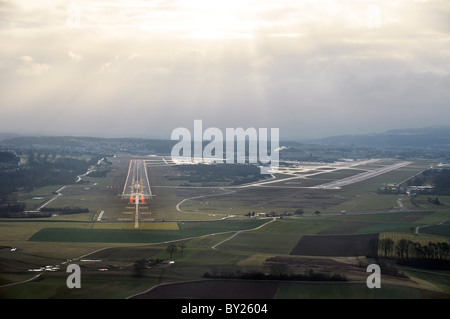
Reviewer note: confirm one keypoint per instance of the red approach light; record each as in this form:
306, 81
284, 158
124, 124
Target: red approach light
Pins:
131, 199
142, 199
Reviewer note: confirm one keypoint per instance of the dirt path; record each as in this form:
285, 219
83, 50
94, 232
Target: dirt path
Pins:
419, 227
23, 282
242, 231
201, 196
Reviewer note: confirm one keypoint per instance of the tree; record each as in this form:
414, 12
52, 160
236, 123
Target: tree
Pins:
299, 211
402, 248
182, 247
139, 267
445, 248
171, 249
389, 245
279, 269
418, 250
409, 249
432, 249
386, 245
317, 212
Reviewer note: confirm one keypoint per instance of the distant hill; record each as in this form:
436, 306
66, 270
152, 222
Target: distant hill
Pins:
430, 137
91, 144
435, 138
4, 135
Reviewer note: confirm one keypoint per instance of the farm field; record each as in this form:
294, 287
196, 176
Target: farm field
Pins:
213, 233
158, 234
337, 245
281, 290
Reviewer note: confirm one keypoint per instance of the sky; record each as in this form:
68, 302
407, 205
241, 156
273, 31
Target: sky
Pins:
136, 68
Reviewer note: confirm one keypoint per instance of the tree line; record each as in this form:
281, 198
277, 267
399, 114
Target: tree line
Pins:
41, 171
8, 157
408, 252
440, 178
11, 209
276, 274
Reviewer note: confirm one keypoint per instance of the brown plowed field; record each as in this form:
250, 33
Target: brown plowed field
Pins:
334, 245
213, 289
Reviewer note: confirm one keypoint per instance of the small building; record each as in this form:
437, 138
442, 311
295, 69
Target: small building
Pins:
421, 189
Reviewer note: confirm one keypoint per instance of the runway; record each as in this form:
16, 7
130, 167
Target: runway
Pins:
137, 186
361, 177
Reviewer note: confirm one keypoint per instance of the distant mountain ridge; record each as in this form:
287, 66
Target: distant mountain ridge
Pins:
429, 137
6, 135
435, 137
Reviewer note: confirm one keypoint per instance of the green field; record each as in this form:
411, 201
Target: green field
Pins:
436, 279
142, 226
185, 230
352, 291
441, 230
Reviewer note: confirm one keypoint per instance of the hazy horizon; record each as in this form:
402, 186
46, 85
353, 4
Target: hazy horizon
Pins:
139, 68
